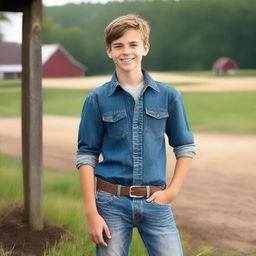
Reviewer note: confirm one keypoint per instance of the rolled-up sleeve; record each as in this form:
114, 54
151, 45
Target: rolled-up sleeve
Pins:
82, 159
188, 150
177, 129
90, 133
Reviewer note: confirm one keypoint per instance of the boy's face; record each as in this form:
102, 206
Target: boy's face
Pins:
127, 51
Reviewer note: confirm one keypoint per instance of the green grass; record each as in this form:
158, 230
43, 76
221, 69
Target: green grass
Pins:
64, 102
63, 206
55, 102
9, 84
10, 103
209, 73
222, 112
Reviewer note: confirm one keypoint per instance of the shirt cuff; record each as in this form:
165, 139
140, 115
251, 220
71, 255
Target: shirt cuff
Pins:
86, 159
188, 150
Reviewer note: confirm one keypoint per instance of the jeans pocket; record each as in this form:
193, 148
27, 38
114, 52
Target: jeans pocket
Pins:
156, 120
116, 123
103, 197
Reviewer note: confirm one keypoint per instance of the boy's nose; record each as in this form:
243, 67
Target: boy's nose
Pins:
126, 50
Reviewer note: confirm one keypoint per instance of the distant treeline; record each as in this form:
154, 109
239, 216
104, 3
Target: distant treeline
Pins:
186, 35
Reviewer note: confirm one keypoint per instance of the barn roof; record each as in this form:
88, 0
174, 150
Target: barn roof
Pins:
10, 53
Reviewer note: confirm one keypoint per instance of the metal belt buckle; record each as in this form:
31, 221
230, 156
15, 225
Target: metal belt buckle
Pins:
130, 191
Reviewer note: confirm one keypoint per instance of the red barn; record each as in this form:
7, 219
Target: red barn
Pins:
56, 62
224, 65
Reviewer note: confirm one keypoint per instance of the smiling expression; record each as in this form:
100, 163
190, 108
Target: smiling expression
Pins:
127, 51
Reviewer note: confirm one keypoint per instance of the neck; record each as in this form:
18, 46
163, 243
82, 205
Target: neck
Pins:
130, 78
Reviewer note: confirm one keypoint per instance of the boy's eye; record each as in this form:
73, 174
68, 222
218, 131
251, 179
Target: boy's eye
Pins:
117, 46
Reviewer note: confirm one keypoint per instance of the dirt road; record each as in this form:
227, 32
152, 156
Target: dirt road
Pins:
218, 201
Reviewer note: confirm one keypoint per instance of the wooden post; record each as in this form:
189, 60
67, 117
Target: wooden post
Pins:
32, 113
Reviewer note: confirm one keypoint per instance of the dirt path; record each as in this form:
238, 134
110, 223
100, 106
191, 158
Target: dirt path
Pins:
59, 139
218, 200
199, 84
204, 84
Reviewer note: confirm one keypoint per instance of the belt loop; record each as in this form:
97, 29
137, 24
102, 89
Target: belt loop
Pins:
119, 190
148, 191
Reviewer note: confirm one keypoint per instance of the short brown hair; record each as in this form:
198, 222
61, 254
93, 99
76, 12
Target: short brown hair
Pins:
120, 25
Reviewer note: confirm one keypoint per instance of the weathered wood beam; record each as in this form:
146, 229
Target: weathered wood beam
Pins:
32, 113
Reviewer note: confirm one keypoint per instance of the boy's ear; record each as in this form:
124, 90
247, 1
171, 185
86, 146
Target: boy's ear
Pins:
146, 49
108, 50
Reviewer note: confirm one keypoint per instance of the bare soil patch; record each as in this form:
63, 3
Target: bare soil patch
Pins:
17, 239
217, 203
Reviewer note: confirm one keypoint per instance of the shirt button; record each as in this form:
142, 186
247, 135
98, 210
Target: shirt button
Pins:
157, 115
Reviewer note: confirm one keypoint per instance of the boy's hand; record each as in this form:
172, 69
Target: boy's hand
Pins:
96, 225
162, 197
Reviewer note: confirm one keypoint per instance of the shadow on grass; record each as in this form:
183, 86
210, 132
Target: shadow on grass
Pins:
27, 240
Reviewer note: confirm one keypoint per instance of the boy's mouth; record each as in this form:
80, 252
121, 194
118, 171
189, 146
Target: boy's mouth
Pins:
127, 59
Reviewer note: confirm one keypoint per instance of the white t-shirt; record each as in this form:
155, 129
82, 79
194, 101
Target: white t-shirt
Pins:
135, 91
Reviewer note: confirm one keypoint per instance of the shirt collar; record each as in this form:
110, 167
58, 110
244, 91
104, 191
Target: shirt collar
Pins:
148, 82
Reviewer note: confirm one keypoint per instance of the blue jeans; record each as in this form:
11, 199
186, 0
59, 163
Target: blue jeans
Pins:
154, 222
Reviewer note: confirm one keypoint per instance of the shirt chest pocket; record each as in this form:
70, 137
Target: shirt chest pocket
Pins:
155, 121
116, 123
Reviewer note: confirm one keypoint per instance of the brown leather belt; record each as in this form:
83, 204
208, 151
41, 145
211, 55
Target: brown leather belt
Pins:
133, 191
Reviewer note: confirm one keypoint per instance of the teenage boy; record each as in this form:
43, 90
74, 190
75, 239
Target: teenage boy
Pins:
125, 120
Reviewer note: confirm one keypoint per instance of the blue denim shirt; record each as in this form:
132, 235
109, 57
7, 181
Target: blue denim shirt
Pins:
130, 135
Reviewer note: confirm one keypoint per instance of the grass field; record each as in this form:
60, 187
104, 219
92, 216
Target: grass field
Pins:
63, 206
223, 112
